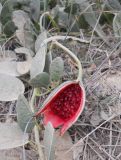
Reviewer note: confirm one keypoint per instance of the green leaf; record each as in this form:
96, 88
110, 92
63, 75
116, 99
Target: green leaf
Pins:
52, 3
1, 7
7, 11
49, 141
41, 80
117, 25
10, 88
48, 61
24, 114
11, 136
8, 7
113, 5
0, 27
62, 17
35, 9
56, 69
9, 28
90, 17
72, 8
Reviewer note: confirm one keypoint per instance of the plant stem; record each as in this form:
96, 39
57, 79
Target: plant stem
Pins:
51, 20
36, 132
52, 38
79, 78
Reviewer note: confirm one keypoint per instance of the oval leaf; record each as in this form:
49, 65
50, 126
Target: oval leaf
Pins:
7, 55
38, 62
117, 25
9, 68
23, 67
7, 11
63, 144
9, 28
56, 69
20, 18
1, 7
113, 5
24, 114
11, 136
35, 9
49, 141
40, 39
10, 88
41, 80
91, 19
48, 61
24, 50
24, 32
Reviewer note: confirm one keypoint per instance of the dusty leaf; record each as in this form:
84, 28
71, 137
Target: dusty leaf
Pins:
78, 150
24, 67
95, 118
26, 38
10, 88
90, 17
20, 18
49, 141
62, 144
41, 80
0, 22
35, 9
113, 5
7, 11
24, 31
1, 7
61, 16
48, 61
104, 115
24, 114
11, 136
117, 25
23, 50
9, 68
0, 27
9, 28
7, 55
38, 62
42, 36
9, 65
56, 69
17, 154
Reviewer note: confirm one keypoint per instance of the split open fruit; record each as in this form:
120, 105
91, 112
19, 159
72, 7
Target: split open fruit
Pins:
64, 105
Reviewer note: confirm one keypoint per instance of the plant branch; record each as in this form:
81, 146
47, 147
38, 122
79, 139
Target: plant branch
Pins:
74, 57
36, 132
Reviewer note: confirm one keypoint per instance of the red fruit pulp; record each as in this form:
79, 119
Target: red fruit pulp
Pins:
67, 102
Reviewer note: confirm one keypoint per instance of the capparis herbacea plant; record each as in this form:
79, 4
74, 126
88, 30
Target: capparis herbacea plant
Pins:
66, 102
